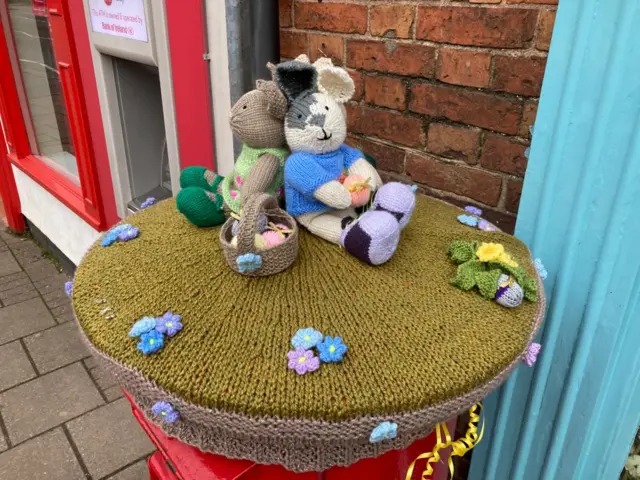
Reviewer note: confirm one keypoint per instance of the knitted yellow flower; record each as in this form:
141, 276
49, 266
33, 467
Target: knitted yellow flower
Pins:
506, 258
489, 252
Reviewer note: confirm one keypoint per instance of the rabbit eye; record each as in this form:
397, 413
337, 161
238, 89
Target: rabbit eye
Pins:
244, 107
326, 108
299, 115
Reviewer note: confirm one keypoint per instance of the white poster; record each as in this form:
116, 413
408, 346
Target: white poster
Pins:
122, 18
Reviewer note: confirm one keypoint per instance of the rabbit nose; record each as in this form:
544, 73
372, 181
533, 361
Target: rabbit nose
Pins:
317, 120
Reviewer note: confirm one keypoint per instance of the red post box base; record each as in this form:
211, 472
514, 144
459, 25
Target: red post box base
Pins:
175, 460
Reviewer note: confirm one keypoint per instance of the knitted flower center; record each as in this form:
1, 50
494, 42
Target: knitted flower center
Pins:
169, 324
151, 341
307, 338
302, 359
332, 349
163, 413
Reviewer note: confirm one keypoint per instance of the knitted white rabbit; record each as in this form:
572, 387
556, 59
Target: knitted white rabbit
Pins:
316, 128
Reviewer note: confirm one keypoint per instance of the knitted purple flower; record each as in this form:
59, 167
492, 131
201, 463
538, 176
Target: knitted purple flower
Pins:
473, 210
68, 288
532, 354
486, 226
148, 202
169, 323
303, 361
128, 234
165, 411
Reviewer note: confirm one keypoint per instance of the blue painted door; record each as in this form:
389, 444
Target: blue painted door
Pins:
575, 414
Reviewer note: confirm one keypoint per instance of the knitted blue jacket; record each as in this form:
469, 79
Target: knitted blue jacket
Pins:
305, 172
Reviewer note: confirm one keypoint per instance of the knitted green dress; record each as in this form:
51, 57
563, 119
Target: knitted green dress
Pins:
204, 194
248, 157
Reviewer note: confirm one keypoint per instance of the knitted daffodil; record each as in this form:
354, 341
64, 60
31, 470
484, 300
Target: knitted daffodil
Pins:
489, 252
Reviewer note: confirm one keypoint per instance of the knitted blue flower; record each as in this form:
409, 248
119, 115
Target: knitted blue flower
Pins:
384, 431
148, 202
540, 268
332, 349
112, 235
68, 288
143, 325
468, 220
128, 234
151, 342
306, 338
165, 411
473, 210
169, 323
249, 262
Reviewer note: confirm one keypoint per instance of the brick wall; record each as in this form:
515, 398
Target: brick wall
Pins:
445, 89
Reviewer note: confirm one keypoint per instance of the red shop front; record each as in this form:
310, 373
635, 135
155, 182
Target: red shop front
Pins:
102, 103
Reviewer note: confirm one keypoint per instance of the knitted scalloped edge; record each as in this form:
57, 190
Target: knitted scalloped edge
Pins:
298, 444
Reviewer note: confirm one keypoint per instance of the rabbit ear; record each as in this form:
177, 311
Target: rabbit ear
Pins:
336, 83
295, 77
302, 58
323, 62
272, 69
276, 101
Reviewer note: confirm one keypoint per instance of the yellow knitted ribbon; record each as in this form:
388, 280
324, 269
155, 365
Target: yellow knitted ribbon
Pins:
458, 448
358, 186
280, 231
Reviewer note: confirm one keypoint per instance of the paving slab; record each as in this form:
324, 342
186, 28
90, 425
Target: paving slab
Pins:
15, 366
48, 401
112, 426
23, 319
3, 443
137, 471
8, 264
113, 393
47, 457
56, 347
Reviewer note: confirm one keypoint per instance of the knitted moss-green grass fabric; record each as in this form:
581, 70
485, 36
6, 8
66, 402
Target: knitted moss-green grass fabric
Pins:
414, 339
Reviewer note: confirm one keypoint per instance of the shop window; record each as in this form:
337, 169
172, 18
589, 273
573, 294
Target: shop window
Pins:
43, 101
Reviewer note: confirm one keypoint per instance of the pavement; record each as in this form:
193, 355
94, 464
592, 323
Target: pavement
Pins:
62, 416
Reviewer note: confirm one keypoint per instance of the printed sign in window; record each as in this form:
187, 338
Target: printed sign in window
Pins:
121, 18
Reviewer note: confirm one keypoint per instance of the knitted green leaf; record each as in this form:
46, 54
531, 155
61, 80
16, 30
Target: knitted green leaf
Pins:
530, 287
466, 275
487, 282
461, 251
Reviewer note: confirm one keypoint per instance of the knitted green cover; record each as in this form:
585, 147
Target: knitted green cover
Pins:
420, 349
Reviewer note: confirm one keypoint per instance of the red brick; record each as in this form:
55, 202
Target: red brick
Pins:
481, 26
542, 2
485, 1
463, 67
453, 142
331, 46
519, 75
359, 84
514, 190
528, 118
387, 158
392, 21
464, 106
385, 91
387, 125
458, 179
292, 44
391, 57
285, 10
503, 155
331, 17
546, 20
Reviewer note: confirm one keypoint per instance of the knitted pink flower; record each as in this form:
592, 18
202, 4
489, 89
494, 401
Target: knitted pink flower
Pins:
238, 180
234, 194
303, 361
532, 354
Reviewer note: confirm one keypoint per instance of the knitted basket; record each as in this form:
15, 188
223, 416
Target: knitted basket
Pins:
261, 262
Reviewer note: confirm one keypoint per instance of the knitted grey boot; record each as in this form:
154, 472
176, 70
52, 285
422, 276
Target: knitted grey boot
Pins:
509, 293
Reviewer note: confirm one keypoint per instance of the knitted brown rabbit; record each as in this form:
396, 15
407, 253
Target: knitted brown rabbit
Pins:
257, 118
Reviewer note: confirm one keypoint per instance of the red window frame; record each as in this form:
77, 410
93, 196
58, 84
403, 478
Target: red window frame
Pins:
86, 199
